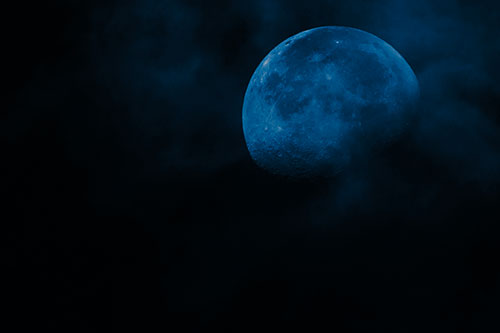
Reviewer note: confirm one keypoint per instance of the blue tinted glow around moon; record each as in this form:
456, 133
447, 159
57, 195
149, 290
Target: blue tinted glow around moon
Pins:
324, 98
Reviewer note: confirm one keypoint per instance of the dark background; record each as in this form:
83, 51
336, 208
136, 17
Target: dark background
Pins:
133, 205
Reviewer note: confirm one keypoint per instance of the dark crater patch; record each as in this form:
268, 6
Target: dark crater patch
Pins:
292, 103
269, 87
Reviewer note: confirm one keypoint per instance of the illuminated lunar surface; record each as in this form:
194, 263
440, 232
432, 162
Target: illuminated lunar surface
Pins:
324, 98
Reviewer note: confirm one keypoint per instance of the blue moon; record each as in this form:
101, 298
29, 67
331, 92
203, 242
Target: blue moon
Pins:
324, 99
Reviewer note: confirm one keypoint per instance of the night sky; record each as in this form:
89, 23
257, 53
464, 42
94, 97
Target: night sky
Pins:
133, 203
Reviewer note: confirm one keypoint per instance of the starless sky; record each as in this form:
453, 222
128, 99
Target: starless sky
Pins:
133, 204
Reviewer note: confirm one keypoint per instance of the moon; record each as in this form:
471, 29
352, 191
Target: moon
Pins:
324, 99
